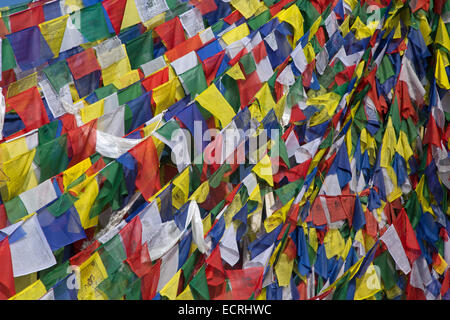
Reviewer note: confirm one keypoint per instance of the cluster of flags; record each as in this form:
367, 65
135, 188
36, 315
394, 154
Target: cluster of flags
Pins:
344, 197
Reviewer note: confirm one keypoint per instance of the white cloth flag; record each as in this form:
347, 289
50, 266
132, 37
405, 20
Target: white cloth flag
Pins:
150, 220
113, 122
153, 65
31, 253
261, 260
169, 266
72, 37
415, 87
50, 295
39, 196
165, 237
307, 151
299, 58
192, 22
395, 248
52, 99
185, 63
109, 52
148, 9
113, 147
197, 226
228, 246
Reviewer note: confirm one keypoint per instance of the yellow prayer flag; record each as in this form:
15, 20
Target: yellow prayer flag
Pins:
334, 243
92, 272
389, 143
206, 222
180, 191
201, 193
235, 72
403, 148
361, 30
236, 34
246, 7
33, 292
92, 111
424, 27
127, 79
20, 176
292, 16
345, 26
116, 71
442, 266
12, 149
265, 99
167, 94
212, 100
440, 73
262, 294
283, 270
186, 294
442, 35
53, 32
170, 290
87, 192
130, 15
155, 21
315, 26
329, 100
75, 171
21, 85
368, 285
277, 217
308, 50
422, 200
74, 5
264, 170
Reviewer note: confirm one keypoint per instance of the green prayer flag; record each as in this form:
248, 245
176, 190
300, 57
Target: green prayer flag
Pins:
92, 22
15, 209
140, 50
8, 58
199, 285
52, 158
194, 80
58, 74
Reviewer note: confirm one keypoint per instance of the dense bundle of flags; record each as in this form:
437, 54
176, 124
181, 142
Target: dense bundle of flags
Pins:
129, 168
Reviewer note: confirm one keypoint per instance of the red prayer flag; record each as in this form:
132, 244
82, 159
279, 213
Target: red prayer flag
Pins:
82, 142
149, 282
140, 261
204, 6
211, 66
432, 134
335, 208
317, 213
156, 79
26, 18
248, 88
83, 63
147, 180
115, 10
184, 48
30, 108
132, 237
407, 236
245, 282
171, 32
7, 287
83, 255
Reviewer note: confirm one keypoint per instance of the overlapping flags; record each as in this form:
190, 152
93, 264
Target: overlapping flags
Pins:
212, 149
